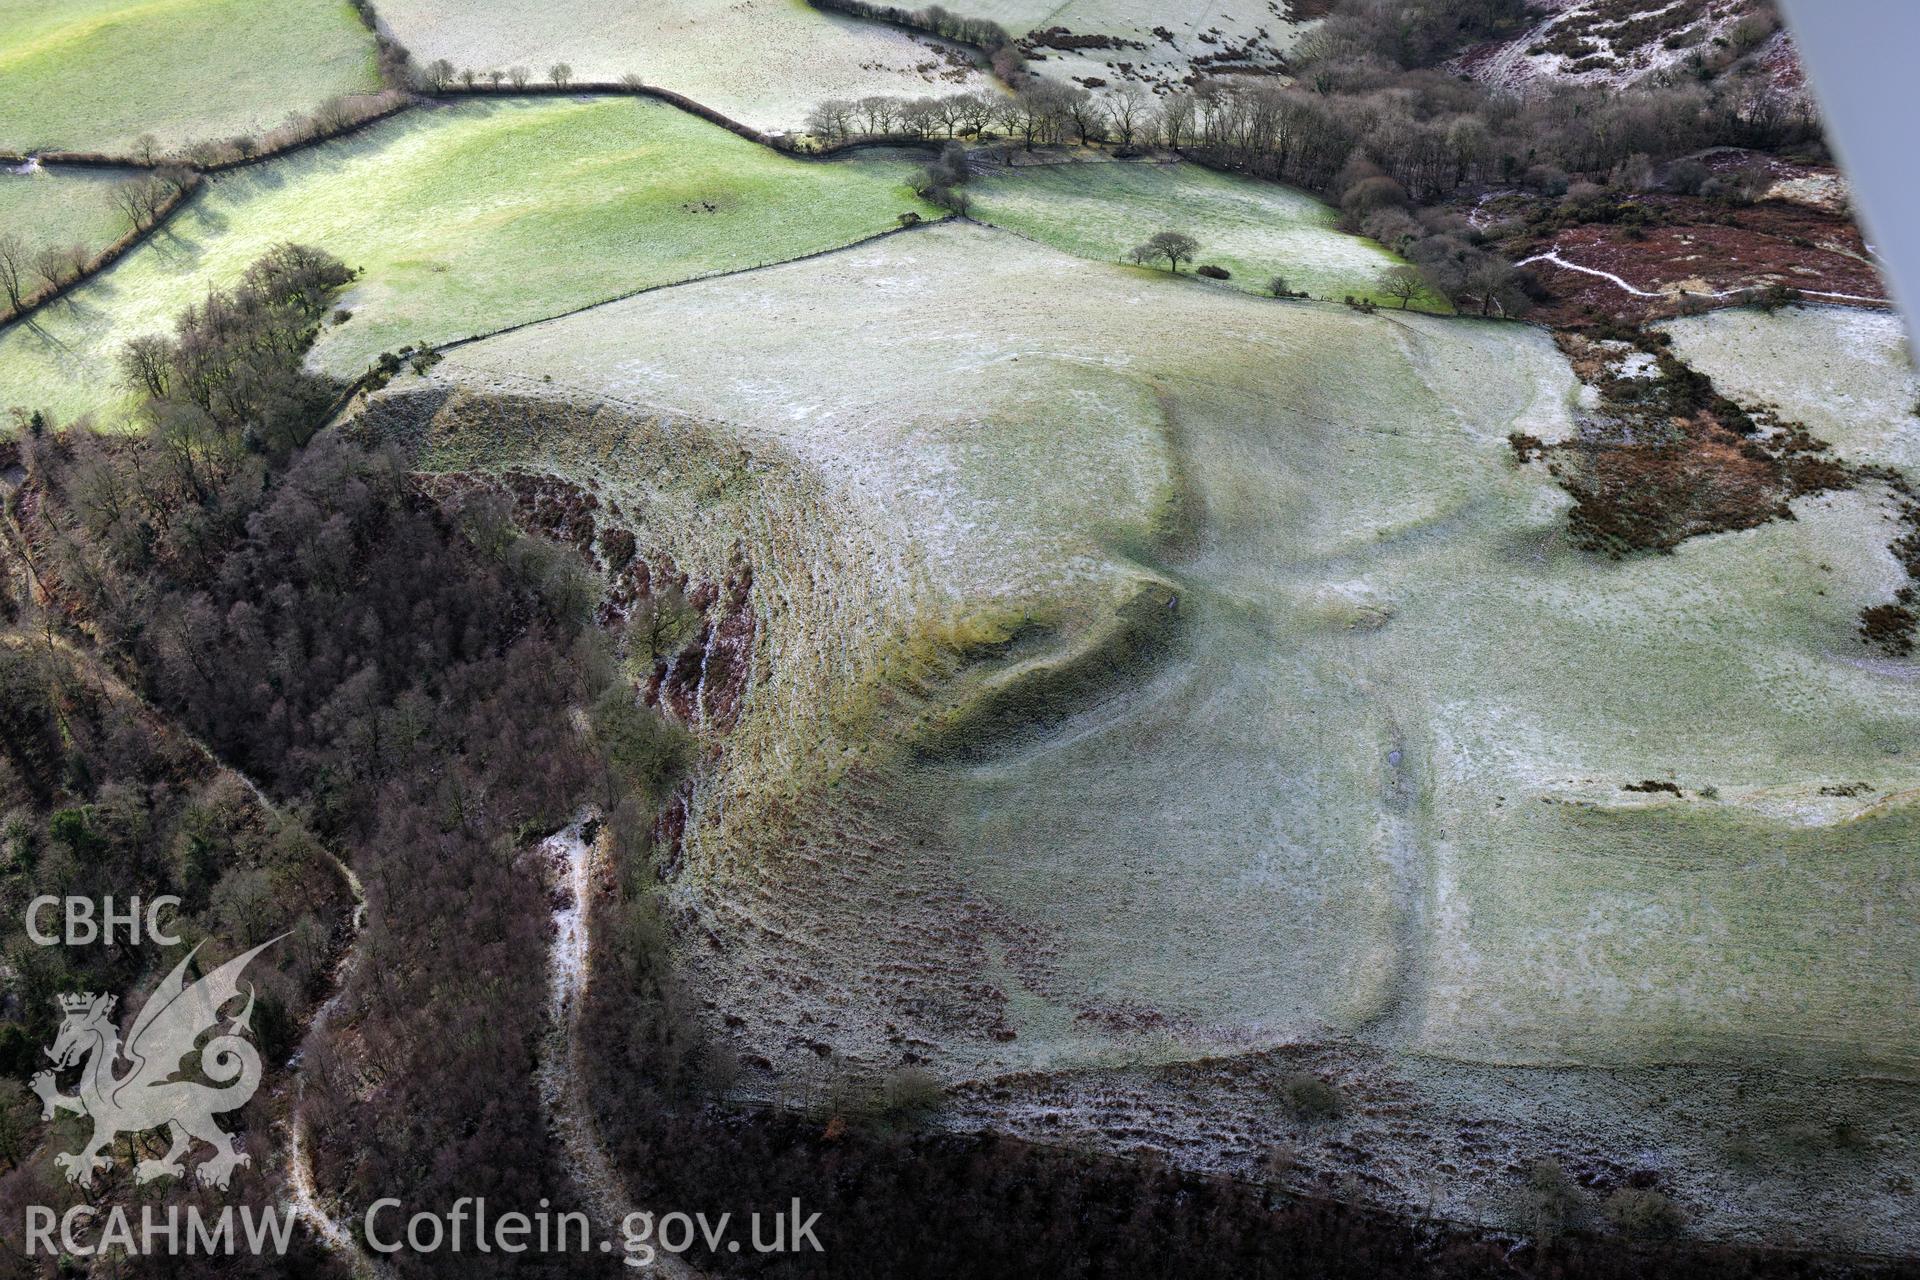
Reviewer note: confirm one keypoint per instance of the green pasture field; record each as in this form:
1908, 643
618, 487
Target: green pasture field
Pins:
1256, 230
465, 219
94, 75
50, 208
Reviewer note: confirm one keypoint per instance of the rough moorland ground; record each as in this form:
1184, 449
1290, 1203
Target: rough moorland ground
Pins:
765, 63
1256, 230
465, 219
1102, 43
1159, 689
94, 75
1846, 373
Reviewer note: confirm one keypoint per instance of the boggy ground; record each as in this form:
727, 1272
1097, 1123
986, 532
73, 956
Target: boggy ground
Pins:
1148, 675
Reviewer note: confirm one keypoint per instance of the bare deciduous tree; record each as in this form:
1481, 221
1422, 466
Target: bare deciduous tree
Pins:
1176, 119
1402, 282
1127, 111
560, 73
51, 266
13, 262
832, 120
879, 112
1079, 106
1172, 247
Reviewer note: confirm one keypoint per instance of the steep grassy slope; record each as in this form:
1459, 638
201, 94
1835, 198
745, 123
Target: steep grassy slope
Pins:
762, 62
54, 210
1151, 672
93, 75
467, 219
1388, 705
1257, 230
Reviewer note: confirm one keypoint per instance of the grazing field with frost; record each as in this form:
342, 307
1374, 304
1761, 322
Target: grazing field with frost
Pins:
1848, 374
1152, 673
1257, 230
51, 209
465, 219
94, 75
765, 63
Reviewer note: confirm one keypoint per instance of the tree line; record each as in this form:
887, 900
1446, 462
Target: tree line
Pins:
32, 275
398, 669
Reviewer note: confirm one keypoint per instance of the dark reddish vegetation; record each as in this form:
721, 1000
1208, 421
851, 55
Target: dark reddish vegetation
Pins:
1682, 239
1668, 458
1061, 38
1694, 478
1891, 627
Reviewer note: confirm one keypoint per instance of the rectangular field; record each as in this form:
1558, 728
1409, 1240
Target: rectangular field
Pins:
765, 63
93, 75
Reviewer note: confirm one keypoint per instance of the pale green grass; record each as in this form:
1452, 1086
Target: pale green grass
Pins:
93, 75
1380, 786
465, 220
763, 62
1399, 701
1256, 230
54, 209
1374, 793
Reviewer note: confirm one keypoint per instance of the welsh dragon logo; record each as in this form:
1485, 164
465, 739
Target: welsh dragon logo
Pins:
147, 1096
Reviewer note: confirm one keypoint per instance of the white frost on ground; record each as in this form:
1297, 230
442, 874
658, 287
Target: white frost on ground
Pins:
765, 63
1514, 65
1375, 797
1848, 374
572, 860
1677, 289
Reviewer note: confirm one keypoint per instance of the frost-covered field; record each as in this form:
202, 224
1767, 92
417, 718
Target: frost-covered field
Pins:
1160, 41
54, 210
1255, 705
466, 219
763, 62
93, 75
1257, 230
1848, 374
